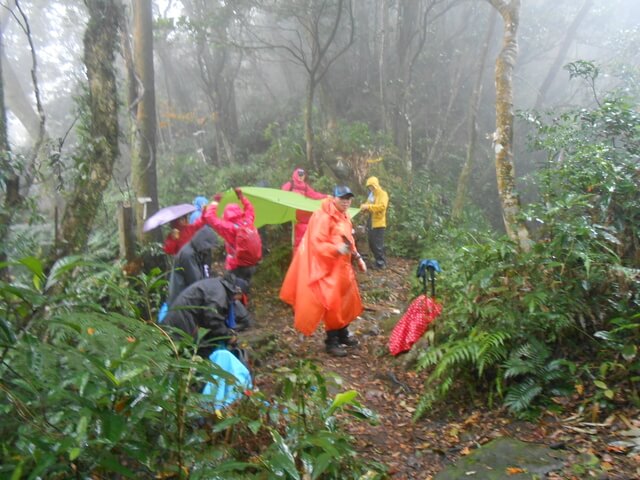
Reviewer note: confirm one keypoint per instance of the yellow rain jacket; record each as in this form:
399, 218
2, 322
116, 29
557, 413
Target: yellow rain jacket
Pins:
380, 203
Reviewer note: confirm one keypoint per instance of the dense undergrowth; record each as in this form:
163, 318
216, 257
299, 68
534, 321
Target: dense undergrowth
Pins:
91, 388
520, 328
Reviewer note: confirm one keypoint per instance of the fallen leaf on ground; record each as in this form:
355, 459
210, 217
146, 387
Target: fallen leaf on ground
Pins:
514, 470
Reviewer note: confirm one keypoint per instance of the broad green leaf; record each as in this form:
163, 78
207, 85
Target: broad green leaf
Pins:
629, 352
114, 426
226, 423
81, 428
284, 460
17, 472
34, 265
112, 464
74, 453
322, 462
342, 399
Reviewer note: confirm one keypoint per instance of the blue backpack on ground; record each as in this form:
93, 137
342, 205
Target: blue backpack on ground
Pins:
225, 394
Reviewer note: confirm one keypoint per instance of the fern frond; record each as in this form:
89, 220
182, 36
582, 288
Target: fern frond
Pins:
520, 397
492, 350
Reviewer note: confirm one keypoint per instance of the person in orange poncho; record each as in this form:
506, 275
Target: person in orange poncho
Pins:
320, 284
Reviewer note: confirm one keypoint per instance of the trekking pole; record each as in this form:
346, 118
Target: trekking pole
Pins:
432, 276
431, 266
424, 284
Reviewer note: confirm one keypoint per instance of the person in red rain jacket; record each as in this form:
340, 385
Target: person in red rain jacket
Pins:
181, 232
226, 227
297, 184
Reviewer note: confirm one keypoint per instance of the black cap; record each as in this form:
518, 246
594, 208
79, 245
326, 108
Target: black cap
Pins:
342, 191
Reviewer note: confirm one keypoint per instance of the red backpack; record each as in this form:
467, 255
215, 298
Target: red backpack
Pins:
248, 246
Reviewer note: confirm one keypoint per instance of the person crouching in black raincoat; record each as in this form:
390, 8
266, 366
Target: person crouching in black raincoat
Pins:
210, 303
193, 262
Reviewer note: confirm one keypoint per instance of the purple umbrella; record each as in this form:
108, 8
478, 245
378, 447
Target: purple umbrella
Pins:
166, 214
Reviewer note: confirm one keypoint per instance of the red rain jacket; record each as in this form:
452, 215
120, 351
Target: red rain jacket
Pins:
302, 217
226, 226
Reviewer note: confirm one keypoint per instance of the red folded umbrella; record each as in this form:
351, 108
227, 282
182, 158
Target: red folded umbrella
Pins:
422, 311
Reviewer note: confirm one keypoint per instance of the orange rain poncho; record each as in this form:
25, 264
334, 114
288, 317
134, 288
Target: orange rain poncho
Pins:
320, 283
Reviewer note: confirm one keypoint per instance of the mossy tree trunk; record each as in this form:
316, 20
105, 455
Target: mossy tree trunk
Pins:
143, 161
101, 148
503, 136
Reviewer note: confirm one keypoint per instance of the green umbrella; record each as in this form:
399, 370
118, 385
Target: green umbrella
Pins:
274, 206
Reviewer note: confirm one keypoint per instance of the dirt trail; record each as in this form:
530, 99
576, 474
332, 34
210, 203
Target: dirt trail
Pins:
414, 450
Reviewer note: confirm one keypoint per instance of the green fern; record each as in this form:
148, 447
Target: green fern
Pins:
477, 352
520, 397
534, 375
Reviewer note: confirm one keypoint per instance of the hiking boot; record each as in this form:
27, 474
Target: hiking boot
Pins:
345, 339
335, 350
333, 346
349, 341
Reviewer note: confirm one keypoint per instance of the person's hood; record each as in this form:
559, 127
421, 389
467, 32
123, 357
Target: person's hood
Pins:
199, 202
232, 212
295, 179
328, 205
373, 182
234, 284
204, 239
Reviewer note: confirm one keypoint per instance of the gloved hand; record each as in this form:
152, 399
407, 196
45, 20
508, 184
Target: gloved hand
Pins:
217, 197
238, 192
343, 249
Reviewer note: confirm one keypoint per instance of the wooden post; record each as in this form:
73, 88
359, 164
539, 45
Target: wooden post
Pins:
126, 234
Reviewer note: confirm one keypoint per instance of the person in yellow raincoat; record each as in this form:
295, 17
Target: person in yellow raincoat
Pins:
321, 284
376, 205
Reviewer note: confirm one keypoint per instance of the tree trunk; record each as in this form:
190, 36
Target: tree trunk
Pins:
18, 102
100, 45
562, 53
218, 72
143, 168
440, 139
12, 197
463, 180
328, 105
384, 39
308, 126
408, 20
503, 136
